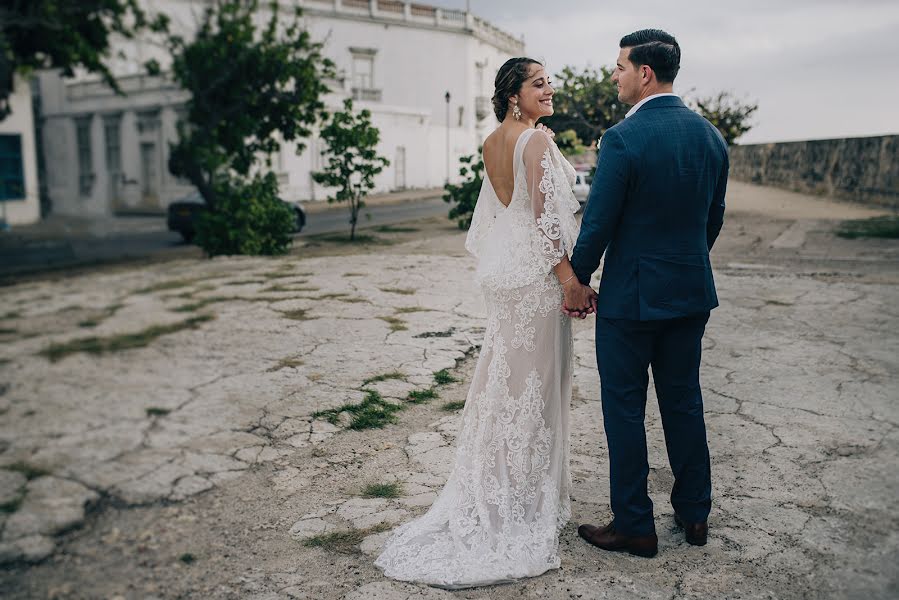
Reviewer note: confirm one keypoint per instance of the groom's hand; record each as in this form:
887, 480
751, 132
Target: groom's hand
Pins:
580, 300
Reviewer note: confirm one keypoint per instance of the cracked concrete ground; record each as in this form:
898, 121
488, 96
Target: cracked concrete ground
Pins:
197, 465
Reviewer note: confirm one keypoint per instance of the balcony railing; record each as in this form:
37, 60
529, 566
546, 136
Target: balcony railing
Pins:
423, 14
366, 94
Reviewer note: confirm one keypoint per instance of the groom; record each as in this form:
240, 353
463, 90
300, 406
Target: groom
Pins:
655, 208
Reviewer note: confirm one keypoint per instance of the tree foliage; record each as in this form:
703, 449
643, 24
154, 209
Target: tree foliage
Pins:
585, 101
465, 194
250, 219
251, 87
352, 158
65, 34
728, 114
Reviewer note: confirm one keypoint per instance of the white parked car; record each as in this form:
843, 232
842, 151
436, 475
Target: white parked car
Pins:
582, 181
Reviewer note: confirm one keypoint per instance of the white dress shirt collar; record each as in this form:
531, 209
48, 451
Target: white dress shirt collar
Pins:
637, 106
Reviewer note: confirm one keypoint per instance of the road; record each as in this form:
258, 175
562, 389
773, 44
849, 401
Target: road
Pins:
21, 254
337, 219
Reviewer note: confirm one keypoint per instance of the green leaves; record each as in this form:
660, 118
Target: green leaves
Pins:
729, 115
465, 194
352, 158
63, 34
251, 88
247, 85
249, 219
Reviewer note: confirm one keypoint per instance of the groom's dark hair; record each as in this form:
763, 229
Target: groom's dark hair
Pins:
655, 48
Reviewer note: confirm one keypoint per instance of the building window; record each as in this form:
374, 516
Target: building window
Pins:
112, 133
363, 77
12, 177
85, 160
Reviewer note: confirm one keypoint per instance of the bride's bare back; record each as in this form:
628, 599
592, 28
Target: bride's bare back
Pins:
499, 149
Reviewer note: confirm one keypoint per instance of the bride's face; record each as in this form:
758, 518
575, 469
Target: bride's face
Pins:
536, 96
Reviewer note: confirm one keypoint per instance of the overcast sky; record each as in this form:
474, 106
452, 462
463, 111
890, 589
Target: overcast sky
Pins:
816, 68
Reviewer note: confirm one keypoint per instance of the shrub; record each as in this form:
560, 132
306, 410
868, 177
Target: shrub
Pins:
249, 219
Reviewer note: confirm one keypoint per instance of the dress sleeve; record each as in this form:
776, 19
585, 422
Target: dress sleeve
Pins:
544, 197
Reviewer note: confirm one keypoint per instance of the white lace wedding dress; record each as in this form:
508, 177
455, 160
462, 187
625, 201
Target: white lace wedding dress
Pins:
499, 515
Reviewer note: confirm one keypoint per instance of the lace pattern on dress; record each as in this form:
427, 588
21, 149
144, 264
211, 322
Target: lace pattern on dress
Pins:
498, 516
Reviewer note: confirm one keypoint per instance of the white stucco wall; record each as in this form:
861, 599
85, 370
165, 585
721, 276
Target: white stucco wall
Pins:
417, 59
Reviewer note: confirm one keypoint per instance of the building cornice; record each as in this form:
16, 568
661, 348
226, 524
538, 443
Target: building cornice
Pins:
412, 15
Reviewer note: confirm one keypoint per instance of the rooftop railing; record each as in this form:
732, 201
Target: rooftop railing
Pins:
423, 14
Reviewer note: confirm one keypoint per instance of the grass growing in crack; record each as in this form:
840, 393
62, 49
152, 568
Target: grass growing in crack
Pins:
382, 490
172, 284
278, 275
343, 542
443, 377
332, 296
403, 310
353, 300
453, 406
29, 471
286, 363
395, 229
400, 291
245, 282
297, 315
421, 396
372, 413
298, 288
354, 274
202, 303
187, 558
12, 505
384, 377
116, 343
8, 331
13, 314
876, 227
155, 411
395, 323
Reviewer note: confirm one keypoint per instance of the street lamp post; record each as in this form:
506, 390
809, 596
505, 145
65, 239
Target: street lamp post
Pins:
447, 98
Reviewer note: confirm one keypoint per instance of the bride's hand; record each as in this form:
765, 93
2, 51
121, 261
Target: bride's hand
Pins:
548, 131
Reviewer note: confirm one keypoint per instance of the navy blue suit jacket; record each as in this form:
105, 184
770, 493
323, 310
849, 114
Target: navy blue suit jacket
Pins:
655, 209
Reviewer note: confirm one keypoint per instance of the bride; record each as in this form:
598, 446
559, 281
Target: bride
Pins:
498, 517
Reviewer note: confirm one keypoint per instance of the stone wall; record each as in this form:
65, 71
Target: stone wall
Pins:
857, 169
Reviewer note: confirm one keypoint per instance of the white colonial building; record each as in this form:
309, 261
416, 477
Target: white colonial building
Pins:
426, 74
19, 193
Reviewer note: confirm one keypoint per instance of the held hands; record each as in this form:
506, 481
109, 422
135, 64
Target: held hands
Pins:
580, 300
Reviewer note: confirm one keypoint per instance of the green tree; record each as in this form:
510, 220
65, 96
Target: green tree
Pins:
352, 158
250, 87
569, 143
65, 34
728, 114
585, 101
465, 194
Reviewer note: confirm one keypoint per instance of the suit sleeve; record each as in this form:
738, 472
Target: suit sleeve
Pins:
716, 210
604, 205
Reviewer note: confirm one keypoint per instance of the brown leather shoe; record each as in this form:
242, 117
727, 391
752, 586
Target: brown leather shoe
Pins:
607, 538
697, 534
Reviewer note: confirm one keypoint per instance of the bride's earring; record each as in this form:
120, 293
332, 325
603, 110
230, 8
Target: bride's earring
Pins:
516, 112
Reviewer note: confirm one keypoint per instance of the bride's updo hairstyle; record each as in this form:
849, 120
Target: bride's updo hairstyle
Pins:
508, 82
